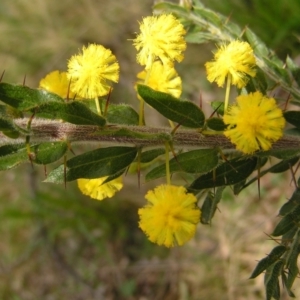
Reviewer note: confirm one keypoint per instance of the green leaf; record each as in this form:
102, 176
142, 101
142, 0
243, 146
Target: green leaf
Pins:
228, 173
218, 107
25, 98
292, 117
149, 155
195, 161
73, 112
216, 124
49, 152
271, 279
122, 114
284, 165
210, 204
291, 204
9, 128
266, 262
12, 156
183, 112
93, 164
288, 222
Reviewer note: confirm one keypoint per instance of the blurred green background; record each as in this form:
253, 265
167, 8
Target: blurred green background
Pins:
58, 244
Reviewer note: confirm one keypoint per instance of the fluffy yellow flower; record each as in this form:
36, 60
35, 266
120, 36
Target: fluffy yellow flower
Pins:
163, 78
97, 190
161, 37
58, 83
170, 217
91, 71
235, 59
254, 123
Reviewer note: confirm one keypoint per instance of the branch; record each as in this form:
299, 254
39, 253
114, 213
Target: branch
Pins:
43, 130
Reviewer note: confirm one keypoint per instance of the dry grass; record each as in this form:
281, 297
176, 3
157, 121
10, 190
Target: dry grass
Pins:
57, 244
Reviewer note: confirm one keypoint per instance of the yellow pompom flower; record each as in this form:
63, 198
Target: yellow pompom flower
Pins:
254, 123
97, 190
161, 37
235, 59
58, 83
163, 78
170, 217
91, 71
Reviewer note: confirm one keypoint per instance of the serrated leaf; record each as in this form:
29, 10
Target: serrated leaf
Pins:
94, 164
291, 204
266, 262
195, 161
292, 117
183, 112
229, 173
25, 98
288, 222
216, 124
49, 152
210, 204
149, 155
73, 112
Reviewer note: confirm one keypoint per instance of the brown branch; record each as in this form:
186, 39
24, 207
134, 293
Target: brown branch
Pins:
48, 130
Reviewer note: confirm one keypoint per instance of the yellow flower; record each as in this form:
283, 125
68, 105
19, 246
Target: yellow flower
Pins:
161, 37
171, 216
91, 71
97, 190
163, 78
58, 83
254, 123
235, 59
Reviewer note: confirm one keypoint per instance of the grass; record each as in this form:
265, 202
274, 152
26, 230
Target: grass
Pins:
58, 244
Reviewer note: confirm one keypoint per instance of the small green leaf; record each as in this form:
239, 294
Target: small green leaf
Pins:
195, 161
149, 155
12, 156
49, 152
25, 98
218, 107
210, 204
284, 165
9, 128
122, 114
185, 113
216, 124
93, 164
228, 173
266, 262
288, 222
293, 117
291, 204
271, 280
73, 112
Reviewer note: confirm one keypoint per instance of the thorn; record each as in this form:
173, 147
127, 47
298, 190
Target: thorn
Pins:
175, 129
258, 179
24, 80
293, 175
70, 148
215, 111
1, 77
287, 102
200, 101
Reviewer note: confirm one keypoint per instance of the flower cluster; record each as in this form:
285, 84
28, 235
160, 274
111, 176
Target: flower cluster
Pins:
255, 122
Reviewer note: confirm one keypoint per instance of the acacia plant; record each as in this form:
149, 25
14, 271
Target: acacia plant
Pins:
227, 149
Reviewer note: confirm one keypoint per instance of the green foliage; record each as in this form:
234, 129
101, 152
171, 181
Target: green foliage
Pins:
204, 157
